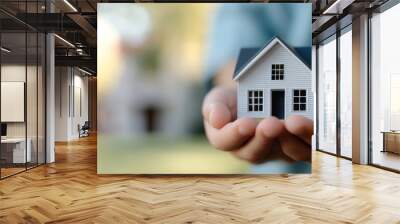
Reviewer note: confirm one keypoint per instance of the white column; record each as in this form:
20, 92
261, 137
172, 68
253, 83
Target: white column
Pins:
50, 92
360, 90
50, 98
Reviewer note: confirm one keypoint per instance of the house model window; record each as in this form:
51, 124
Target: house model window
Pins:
255, 100
277, 71
299, 100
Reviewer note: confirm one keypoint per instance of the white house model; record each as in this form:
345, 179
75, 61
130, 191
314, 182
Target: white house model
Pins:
273, 81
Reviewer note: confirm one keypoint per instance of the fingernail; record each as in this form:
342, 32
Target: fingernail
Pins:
207, 112
211, 114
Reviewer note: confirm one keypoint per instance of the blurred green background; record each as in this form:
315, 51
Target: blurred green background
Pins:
158, 155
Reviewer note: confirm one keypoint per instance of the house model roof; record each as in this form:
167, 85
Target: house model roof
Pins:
249, 56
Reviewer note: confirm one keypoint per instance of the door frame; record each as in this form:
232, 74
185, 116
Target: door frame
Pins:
284, 100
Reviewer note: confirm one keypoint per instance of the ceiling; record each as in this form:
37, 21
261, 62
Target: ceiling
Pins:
76, 21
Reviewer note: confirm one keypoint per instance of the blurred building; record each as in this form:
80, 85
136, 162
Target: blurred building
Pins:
159, 104
157, 88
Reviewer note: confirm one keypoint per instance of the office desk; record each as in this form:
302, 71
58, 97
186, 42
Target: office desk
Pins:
15, 148
391, 141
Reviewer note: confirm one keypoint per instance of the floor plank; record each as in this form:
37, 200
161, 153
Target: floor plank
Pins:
70, 191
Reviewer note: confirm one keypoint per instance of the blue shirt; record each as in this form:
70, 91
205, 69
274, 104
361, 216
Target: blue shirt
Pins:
237, 25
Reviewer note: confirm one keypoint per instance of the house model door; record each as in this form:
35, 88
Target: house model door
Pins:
278, 103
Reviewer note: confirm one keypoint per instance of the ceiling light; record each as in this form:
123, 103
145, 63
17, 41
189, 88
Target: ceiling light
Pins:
337, 7
65, 41
80, 51
84, 71
5, 50
70, 5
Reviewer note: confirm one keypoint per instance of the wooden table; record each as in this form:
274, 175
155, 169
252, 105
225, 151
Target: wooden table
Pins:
391, 141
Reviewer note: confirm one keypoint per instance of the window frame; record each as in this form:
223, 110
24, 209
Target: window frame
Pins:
299, 102
250, 99
277, 71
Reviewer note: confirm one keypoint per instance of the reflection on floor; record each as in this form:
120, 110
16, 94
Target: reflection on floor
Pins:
70, 191
387, 159
10, 169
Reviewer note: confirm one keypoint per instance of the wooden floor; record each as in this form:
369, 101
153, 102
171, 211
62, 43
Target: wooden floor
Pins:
387, 159
5, 172
70, 191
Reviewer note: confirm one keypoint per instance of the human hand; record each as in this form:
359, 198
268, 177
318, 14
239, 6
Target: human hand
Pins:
252, 141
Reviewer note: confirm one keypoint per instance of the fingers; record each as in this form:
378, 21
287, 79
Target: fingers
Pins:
300, 126
218, 115
232, 135
294, 147
265, 139
272, 138
252, 142
219, 109
221, 96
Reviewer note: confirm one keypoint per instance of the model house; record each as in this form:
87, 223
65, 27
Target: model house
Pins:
274, 80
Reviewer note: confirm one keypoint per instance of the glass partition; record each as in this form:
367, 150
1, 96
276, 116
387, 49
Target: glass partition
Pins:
23, 91
31, 99
346, 92
385, 89
14, 153
327, 95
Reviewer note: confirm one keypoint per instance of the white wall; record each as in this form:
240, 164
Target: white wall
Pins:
71, 94
12, 100
61, 103
17, 73
10, 73
80, 100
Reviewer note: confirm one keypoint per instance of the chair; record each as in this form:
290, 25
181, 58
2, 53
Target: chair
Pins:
84, 130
